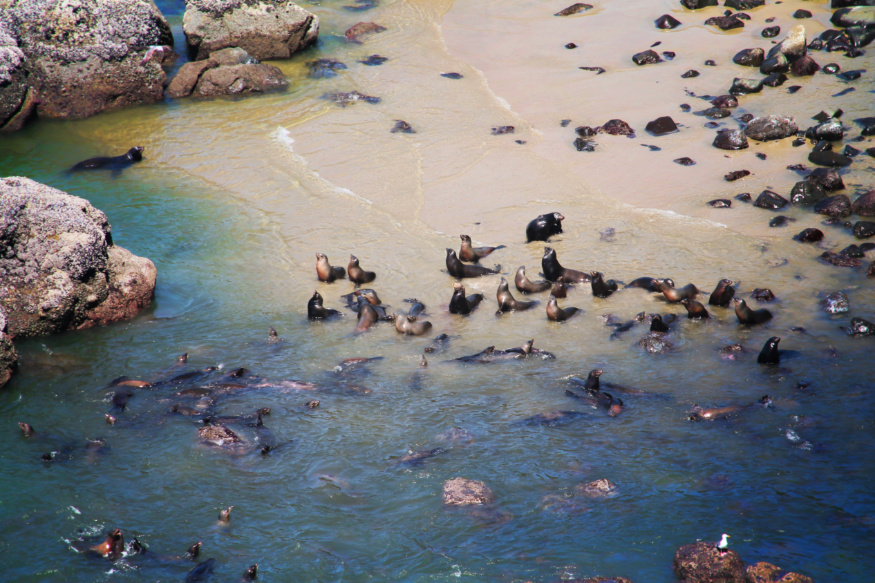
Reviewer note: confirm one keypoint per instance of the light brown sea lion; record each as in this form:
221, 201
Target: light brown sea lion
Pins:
527, 286
748, 316
225, 515
367, 315
112, 547
408, 325
461, 304
325, 272
695, 310
506, 301
356, 274
459, 270
553, 269
560, 288
673, 294
557, 314
474, 254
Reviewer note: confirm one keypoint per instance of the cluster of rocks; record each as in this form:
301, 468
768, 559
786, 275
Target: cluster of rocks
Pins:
59, 269
703, 562
74, 59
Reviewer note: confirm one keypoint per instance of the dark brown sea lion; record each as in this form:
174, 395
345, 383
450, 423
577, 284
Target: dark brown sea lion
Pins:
114, 163
356, 274
560, 288
722, 294
201, 572
543, 227
673, 294
649, 283
557, 314
408, 325
626, 326
112, 547
770, 354
553, 270
440, 343
368, 294
528, 349
27, 429
325, 271
459, 270
416, 307
527, 286
316, 311
657, 324
474, 254
368, 315
459, 304
748, 316
695, 310
251, 573
600, 287
506, 301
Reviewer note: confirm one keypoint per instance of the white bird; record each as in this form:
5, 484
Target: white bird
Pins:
723, 545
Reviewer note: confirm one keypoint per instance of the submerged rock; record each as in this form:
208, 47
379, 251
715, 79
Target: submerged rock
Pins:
61, 270
865, 204
767, 573
860, 327
838, 206
810, 235
829, 158
864, 229
829, 180
702, 562
839, 260
725, 101
836, 303
720, 203
735, 175
462, 492
357, 31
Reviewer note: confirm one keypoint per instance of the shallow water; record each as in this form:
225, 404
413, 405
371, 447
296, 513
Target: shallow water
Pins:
235, 197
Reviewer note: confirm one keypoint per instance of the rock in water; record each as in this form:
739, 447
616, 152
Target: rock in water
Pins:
836, 303
767, 573
462, 492
806, 192
770, 200
266, 29
835, 206
860, 327
61, 270
749, 57
702, 562
746, 86
865, 204
809, 236
229, 71
864, 229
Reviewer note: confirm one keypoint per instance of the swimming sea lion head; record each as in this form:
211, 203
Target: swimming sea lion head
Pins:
136, 153
26, 428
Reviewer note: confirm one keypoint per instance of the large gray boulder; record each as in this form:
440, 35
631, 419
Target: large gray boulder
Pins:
87, 56
793, 47
16, 101
8, 356
266, 29
59, 269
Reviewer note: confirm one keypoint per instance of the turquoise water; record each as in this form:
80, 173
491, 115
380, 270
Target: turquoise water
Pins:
232, 222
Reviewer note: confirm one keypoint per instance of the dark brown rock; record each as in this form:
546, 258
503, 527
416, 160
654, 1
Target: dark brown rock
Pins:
829, 158
864, 229
730, 140
749, 57
574, 9
725, 22
829, 180
725, 101
771, 31
804, 67
685, 161
617, 127
806, 192
746, 86
701, 562
865, 204
854, 16
763, 295
770, 200
667, 22
661, 125
809, 236
720, 203
646, 57
690, 74
767, 573
800, 14
743, 4
356, 32
838, 206
776, 64
871, 271
696, 4
840, 260
735, 175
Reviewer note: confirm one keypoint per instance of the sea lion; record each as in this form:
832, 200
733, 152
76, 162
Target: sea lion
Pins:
114, 163
748, 316
506, 301
695, 310
769, 354
657, 324
356, 274
316, 311
225, 515
673, 294
112, 547
560, 288
459, 304
600, 287
528, 349
649, 283
527, 286
325, 272
626, 326
216, 434
417, 458
438, 344
557, 314
712, 413
273, 336
474, 254
368, 294
251, 573
407, 325
201, 572
543, 227
553, 270
416, 308
722, 294
459, 270
27, 429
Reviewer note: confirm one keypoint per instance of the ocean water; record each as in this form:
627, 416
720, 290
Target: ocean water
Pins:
235, 197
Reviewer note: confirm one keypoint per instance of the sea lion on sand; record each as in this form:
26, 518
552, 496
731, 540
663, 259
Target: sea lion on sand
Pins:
357, 275
459, 304
459, 270
506, 301
114, 163
553, 270
474, 254
316, 311
649, 283
770, 354
527, 286
722, 294
673, 294
543, 227
560, 288
557, 314
600, 287
748, 316
408, 325
325, 272
695, 310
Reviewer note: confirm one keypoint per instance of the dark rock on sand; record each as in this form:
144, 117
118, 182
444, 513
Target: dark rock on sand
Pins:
684, 161
61, 270
749, 57
829, 158
743, 197
661, 125
574, 9
830, 180
616, 127
725, 22
746, 86
730, 140
271, 29
850, 151
865, 204
646, 57
809, 236
838, 206
776, 64
667, 22
850, 75
806, 192
598, 70
770, 200
585, 131
696, 4
771, 127
725, 101
454, 76
711, 125
359, 30
864, 229
403, 127
839, 260
690, 74
804, 67
720, 203
775, 80
570, 46
501, 130
746, 118
830, 130
831, 68
715, 113
582, 145
800, 14
702, 562
771, 31
735, 175
8, 356
781, 221
854, 16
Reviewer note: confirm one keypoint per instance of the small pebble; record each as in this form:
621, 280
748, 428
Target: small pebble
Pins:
571, 46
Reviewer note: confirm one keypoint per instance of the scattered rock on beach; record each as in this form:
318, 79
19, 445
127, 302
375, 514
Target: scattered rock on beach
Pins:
771, 127
865, 204
574, 9
770, 200
806, 192
646, 57
854, 16
749, 57
745, 86
804, 67
829, 180
661, 126
667, 22
685, 161
616, 127
730, 140
743, 4
736, 175
776, 64
696, 4
836, 303
771, 31
809, 235
829, 158
725, 22
725, 101
690, 74
720, 203
838, 206
864, 229
356, 32
793, 46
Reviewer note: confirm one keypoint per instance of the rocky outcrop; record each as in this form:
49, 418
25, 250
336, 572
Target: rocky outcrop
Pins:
702, 562
59, 269
8, 356
16, 100
865, 205
82, 57
764, 572
266, 29
463, 492
226, 72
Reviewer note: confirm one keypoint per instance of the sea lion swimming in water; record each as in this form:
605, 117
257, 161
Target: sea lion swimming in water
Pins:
416, 308
695, 310
459, 270
600, 287
114, 163
553, 270
560, 288
112, 547
368, 294
657, 324
543, 227
408, 325
748, 316
316, 311
722, 294
557, 314
650, 283
674, 295
506, 301
356, 274
325, 272
626, 326
459, 304
770, 354
27, 429
367, 315
474, 254
527, 286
